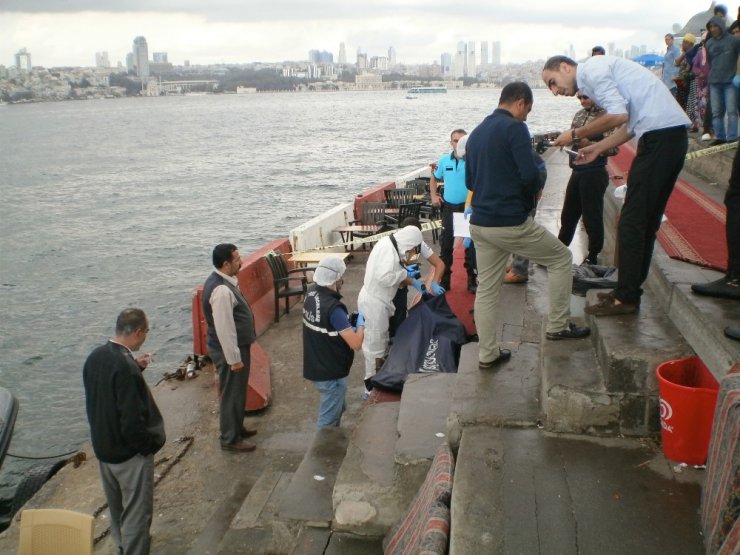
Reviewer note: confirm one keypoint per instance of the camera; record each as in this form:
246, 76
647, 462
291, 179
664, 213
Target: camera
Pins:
542, 141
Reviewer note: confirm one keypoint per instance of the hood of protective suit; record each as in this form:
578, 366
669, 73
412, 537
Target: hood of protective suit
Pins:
329, 271
407, 238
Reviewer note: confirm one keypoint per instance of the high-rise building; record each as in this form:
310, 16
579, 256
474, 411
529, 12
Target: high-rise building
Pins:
470, 66
461, 60
101, 59
361, 60
23, 60
484, 53
159, 57
391, 56
445, 64
342, 53
496, 53
140, 53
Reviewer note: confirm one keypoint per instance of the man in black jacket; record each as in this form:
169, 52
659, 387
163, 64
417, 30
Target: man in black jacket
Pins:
504, 178
329, 340
126, 430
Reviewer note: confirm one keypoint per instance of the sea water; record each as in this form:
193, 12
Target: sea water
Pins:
108, 204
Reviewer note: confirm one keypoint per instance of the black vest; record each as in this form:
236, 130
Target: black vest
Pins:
326, 356
243, 317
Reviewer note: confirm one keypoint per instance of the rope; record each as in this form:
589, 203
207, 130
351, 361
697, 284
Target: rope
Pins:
40, 458
427, 226
710, 150
187, 441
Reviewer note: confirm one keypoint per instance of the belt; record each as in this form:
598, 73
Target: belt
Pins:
665, 130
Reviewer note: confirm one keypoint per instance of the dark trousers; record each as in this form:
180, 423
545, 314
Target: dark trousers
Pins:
660, 157
232, 387
447, 243
584, 197
732, 202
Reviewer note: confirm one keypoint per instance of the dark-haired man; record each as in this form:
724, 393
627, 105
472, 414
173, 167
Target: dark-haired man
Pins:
451, 170
637, 105
504, 178
126, 430
230, 336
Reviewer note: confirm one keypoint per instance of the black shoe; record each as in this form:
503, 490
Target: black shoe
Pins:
445, 283
716, 142
242, 446
725, 288
571, 332
472, 285
733, 332
244, 433
503, 356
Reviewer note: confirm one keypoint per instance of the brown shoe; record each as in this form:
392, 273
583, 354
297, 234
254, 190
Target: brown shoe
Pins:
608, 306
511, 277
242, 446
247, 433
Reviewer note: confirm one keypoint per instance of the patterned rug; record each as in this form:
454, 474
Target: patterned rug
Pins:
695, 228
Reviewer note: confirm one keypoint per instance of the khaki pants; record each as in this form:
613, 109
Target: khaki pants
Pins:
531, 240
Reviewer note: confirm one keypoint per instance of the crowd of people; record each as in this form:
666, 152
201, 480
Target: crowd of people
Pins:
703, 77
491, 175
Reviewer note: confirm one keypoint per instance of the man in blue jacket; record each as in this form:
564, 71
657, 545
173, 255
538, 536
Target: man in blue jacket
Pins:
504, 178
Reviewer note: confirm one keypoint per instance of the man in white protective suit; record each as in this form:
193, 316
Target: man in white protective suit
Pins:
384, 273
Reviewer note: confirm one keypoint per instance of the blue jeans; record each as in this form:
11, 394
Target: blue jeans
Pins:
723, 98
332, 403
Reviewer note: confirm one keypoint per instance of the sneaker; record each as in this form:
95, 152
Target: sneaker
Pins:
733, 332
365, 395
503, 356
706, 137
724, 288
571, 332
242, 446
511, 277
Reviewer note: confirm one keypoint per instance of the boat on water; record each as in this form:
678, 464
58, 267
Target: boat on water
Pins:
427, 90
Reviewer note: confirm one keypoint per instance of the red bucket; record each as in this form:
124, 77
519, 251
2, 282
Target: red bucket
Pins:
688, 396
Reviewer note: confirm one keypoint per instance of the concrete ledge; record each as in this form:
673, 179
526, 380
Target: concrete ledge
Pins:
423, 414
507, 395
476, 512
574, 398
309, 496
371, 492
700, 320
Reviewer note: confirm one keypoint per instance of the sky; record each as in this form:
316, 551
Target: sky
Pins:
70, 32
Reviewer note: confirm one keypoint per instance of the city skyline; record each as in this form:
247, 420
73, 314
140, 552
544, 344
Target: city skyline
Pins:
222, 32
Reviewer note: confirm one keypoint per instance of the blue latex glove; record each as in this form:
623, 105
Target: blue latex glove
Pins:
360, 319
412, 270
467, 242
437, 289
467, 212
418, 285
736, 81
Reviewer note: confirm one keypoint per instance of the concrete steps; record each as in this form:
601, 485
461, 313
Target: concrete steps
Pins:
389, 454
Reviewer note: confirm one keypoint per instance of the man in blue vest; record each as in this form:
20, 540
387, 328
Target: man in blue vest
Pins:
230, 336
451, 170
329, 340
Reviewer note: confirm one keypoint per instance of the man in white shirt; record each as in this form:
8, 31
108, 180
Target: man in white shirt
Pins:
637, 106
